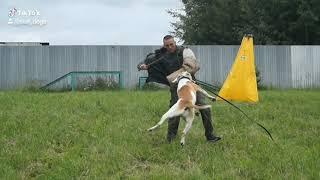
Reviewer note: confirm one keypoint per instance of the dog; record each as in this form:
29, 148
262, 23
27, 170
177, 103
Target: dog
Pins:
185, 106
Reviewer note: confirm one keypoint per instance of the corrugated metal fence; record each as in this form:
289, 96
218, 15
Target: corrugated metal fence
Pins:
280, 66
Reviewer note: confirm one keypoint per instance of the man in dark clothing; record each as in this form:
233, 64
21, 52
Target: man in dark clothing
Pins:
171, 60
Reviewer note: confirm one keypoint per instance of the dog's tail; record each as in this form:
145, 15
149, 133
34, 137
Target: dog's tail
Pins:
190, 105
201, 107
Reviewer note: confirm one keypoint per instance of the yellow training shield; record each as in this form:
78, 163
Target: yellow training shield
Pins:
241, 83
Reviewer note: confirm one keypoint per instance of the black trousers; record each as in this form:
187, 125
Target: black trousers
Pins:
173, 123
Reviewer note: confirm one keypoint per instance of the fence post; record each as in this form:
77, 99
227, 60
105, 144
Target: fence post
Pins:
73, 81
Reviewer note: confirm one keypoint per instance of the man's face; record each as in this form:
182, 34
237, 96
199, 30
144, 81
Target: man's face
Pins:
170, 45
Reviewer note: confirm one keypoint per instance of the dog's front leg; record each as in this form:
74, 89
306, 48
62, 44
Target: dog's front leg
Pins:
206, 94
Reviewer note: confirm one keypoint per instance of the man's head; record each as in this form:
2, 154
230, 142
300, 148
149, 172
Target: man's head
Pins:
169, 43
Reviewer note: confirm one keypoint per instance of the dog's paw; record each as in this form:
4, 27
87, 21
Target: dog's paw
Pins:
182, 142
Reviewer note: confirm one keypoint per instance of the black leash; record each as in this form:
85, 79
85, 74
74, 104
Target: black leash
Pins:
210, 89
216, 88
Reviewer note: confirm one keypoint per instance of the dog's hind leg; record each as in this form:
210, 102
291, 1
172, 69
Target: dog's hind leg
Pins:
172, 112
189, 120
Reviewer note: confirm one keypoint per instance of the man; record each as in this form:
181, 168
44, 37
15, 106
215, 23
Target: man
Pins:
168, 60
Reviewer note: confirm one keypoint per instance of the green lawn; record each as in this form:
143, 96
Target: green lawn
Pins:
101, 135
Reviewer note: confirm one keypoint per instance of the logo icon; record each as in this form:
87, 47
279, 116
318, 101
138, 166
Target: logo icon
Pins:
12, 12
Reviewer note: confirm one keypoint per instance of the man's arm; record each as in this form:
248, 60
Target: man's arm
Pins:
150, 58
190, 62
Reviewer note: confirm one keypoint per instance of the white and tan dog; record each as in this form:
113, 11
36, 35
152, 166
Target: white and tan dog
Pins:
185, 106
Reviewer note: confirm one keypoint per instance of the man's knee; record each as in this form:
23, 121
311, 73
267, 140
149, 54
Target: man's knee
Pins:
173, 125
200, 99
205, 112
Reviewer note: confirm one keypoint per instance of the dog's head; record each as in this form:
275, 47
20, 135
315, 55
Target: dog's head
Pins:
182, 75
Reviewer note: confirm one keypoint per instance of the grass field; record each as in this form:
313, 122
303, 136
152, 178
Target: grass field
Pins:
102, 135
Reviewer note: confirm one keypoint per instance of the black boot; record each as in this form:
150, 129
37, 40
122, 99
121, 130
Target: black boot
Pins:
213, 139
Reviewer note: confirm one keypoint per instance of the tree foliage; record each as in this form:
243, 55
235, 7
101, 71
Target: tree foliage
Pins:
270, 21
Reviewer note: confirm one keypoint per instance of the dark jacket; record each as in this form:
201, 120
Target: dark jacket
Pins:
168, 63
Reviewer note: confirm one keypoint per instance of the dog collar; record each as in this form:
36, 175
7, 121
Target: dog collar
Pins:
184, 77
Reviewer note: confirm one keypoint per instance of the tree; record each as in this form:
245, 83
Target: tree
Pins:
270, 21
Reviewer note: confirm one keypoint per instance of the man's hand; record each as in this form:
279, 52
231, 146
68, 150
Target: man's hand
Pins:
143, 67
